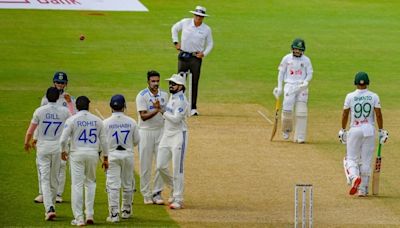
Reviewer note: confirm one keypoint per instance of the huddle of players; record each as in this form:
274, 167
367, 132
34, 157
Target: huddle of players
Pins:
60, 132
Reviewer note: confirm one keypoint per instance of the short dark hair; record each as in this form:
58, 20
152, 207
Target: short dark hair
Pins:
152, 73
82, 103
52, 94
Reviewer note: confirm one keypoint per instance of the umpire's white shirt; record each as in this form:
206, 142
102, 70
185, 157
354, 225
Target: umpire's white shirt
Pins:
295, 70
193, 38
50, 120
87, 133
144, 102
175, 114
121, 130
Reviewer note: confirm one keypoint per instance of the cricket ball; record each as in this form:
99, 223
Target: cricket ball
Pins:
81, 37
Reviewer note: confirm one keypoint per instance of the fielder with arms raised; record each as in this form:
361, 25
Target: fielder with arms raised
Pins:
87, 136
49, 121
295, 71
361, 105
174, 139
122, 134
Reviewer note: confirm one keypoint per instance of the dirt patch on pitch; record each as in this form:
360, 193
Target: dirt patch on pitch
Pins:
235, 176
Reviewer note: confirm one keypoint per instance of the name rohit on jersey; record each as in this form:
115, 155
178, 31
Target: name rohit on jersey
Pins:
92, 123
116, 126
363, 98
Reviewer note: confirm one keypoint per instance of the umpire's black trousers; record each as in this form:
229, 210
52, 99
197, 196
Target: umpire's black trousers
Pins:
193, 64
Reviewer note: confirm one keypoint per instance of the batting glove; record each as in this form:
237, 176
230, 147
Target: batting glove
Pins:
343, 136
383, 136
277, 92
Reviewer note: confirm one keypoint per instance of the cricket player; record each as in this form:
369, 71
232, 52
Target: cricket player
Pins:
174, 140
295, 73
361, 105
49, 121
150, 104
87, 135
122, 134
60, 81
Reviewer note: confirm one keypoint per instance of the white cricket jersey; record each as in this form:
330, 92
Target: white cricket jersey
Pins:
61, 101
144, 102
193, 38
362, 103
87, 134
295, 70
175, 114
121, 130
50, 120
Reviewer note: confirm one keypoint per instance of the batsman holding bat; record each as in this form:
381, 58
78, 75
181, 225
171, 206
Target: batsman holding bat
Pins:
295, 70
362, 105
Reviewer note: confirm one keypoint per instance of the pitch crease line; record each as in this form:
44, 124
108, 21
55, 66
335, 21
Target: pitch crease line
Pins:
265, 117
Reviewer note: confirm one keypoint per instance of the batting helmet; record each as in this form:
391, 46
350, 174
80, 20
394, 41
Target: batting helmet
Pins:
361, 78
298, 44
60, 77
117, 102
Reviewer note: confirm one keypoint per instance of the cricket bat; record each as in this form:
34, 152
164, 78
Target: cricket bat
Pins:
277, 107
377, 172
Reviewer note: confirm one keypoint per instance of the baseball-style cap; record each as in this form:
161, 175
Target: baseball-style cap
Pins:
60, 77
361, 78
117, 102
179, 79
200, 11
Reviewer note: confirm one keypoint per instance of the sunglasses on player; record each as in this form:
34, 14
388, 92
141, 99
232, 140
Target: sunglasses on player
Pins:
172, 83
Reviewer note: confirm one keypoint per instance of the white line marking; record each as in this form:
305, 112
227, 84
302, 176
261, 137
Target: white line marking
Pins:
265, 117
99, 113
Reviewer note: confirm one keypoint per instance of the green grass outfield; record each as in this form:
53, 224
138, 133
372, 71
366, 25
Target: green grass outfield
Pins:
250, 38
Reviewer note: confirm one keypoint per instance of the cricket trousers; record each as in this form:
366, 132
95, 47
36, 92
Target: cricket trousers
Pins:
173, 147
83, 177
194, 65
148, 151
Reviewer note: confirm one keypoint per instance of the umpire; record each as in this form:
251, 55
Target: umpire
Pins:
196, 43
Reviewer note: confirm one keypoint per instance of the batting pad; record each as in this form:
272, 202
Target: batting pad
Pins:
301, 121
287, 121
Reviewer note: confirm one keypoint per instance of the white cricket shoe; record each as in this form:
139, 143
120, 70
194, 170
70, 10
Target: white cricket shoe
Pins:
354, 185
157, 199
176, 205
194, 112
126, 214
148, 201
59, 199
113, 218
362, 193
50, 215
38, 199
77, 222
285, 135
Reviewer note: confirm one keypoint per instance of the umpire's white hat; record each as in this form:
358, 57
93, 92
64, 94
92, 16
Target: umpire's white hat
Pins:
179, 78
200, 11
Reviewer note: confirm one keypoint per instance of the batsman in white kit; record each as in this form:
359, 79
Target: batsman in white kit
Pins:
174, 140
361, 105
122, 134
150, 104
49, 121
87, 138
60, 81
295, 72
